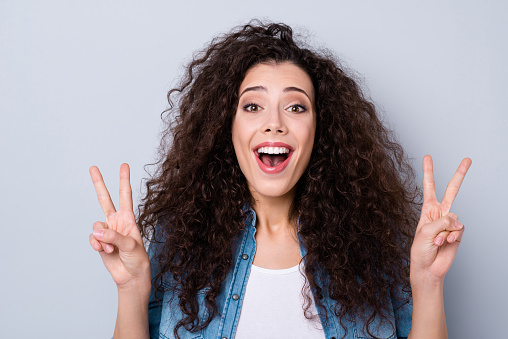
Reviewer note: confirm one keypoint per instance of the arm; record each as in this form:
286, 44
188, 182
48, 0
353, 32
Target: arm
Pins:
428, 320
120, 246
435, 246
132, 316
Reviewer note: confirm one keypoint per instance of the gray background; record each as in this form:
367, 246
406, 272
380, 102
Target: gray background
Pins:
84, 83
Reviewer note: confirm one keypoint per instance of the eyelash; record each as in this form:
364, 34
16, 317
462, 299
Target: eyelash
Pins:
301, 107
248, 107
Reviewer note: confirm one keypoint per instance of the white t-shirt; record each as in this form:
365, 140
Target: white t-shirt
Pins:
273, 306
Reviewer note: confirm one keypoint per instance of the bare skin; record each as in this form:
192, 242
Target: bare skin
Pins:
276, 105
277, 245
120, 246
435, 246
436, 242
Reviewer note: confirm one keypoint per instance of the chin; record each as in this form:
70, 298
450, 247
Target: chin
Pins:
271, 190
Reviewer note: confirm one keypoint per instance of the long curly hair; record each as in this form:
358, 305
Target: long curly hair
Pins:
356, 202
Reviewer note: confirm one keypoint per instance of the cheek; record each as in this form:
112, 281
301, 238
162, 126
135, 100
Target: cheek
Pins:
235, 133
240, 138
306, 138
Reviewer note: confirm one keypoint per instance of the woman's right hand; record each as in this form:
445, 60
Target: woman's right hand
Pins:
118, 240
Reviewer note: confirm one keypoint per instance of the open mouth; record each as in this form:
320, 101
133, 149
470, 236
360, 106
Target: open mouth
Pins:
273, 157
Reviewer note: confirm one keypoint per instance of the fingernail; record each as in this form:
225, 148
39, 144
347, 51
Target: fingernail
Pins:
458, 225
451, 238
109, 248
96, 247
438, 241
99, 234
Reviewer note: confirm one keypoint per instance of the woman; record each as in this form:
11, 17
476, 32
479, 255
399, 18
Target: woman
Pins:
274, 163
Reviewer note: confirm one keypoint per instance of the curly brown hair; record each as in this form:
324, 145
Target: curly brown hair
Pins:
356, 202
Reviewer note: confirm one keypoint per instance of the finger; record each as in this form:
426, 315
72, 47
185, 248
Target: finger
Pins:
111, 237
95, 244
125, 188
452, 237
108, 248
100, 246
429, 186
441, 238
453, 216
446, 223
98, 225
444, 236
455, 236
102, 192
454, 185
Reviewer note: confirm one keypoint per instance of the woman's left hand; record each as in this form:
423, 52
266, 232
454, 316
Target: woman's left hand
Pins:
439, 232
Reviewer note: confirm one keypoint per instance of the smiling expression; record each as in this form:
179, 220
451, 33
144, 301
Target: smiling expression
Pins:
274, 127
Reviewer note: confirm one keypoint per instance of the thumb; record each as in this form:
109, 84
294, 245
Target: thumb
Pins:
444, 224
109, 236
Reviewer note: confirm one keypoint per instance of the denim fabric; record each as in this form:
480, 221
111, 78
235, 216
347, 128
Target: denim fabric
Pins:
164, 316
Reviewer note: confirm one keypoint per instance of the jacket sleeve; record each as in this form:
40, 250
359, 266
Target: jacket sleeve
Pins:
403, 313
156, 299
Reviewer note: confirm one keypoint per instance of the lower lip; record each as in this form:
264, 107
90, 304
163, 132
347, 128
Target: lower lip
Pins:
275, 169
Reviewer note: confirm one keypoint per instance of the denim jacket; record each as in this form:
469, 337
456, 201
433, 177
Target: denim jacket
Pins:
163, 316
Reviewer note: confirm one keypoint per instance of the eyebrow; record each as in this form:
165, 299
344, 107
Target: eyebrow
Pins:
296, 89
254, 88
264, 89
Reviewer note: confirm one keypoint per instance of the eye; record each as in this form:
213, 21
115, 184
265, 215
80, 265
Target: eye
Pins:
296, 108
252, 107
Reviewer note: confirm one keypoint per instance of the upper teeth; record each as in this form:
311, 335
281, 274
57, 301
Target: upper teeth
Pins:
273, 150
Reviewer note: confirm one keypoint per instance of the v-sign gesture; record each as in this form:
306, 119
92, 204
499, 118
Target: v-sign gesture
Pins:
439, 232
118, 240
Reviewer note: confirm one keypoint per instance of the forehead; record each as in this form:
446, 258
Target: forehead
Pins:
277, 76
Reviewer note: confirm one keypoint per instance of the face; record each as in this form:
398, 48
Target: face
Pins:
274, 127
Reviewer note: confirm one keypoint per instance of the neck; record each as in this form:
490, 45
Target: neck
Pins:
272, 213
276, 240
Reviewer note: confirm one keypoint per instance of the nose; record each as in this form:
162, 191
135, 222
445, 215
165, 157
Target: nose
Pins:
274, 123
